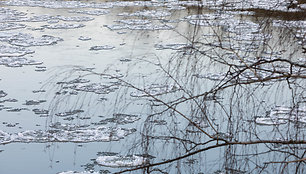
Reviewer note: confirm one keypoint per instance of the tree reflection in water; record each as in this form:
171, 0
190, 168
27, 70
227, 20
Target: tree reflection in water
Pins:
230, 100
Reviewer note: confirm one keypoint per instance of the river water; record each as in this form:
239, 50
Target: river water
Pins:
100, 86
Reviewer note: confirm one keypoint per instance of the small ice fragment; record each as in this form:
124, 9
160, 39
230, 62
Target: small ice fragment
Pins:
2, 94
84, 38
104, 47
34, 102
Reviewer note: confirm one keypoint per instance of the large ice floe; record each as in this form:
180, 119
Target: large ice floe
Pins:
27, 40
121, 161
73, 134
282, 115
95, 88
11, 26
13, 51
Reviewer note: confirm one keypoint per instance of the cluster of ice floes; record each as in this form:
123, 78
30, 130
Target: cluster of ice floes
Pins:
71, 134
90, 12
13, 51
282, 115
121, 161
155, 89
78, 80
147, 14
63, 26
17, 61
140, 27
11, 26
95, 88
27, 40
12, 55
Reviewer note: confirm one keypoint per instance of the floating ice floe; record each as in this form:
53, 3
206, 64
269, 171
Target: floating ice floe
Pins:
74, 81
34, 102
27, 40
155, 89
16, 109
12, 51
140, 27
75, 18
281, 115
11, 26
73, 112
40, 112
81, 135
90, 12
39, 91
269, 121
84, 38
121, 161
95, 88
172, 46
64, 26
9, 15
75, 172
40, 68
17, 61
134, 21
2, 94
31, 41
103, 47
11, 100
148, 13
121, 119
68, 127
